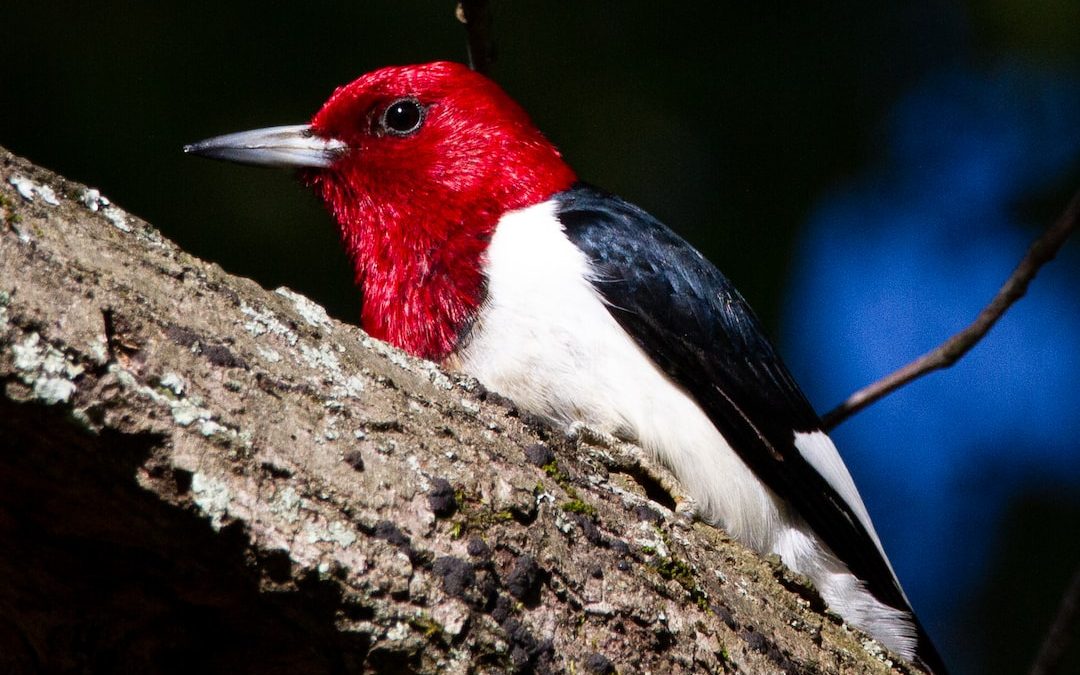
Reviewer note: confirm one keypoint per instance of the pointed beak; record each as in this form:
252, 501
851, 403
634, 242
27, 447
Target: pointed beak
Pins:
289, 146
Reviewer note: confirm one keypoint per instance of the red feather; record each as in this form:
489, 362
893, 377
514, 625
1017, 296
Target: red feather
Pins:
417, 212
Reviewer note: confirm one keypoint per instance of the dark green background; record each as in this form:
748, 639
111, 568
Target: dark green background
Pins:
726, 121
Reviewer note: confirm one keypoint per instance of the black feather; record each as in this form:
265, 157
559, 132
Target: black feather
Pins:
700, 331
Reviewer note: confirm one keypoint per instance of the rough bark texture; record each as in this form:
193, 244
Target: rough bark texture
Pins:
196, 473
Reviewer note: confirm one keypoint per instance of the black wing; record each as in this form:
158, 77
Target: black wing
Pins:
697, 328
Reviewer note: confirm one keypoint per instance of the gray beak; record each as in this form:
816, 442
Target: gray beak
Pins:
290, 146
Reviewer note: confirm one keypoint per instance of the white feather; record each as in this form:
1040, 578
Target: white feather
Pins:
545, 339
819, 450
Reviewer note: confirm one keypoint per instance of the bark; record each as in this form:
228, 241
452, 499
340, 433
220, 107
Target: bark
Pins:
197, 473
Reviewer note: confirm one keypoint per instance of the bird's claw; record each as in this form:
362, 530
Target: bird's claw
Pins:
631, 459
579, 432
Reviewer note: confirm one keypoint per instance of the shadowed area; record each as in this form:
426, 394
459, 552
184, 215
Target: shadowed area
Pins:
103, 576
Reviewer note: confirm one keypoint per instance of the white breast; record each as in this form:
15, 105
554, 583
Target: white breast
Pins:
545, 339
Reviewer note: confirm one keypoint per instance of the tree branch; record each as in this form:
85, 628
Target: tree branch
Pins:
949, 352
1048, 660
476, 15
197, 473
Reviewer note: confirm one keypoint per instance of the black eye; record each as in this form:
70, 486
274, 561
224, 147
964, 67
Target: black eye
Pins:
403, 117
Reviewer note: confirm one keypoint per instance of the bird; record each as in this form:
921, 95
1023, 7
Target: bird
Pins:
476, 245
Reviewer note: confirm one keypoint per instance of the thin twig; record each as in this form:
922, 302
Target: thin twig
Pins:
949, 352
1057, 637
476, 15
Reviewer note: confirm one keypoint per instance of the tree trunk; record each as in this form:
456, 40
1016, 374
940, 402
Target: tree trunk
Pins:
199, 474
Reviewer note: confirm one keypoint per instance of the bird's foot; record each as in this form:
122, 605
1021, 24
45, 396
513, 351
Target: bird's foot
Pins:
630, 459
579, 432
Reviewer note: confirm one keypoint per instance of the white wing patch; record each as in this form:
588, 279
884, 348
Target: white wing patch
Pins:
818, 449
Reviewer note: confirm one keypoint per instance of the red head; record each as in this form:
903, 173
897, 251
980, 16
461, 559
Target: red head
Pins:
437, 153
417, 164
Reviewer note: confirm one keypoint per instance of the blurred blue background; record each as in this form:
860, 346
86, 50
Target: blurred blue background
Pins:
907, 252
866, 173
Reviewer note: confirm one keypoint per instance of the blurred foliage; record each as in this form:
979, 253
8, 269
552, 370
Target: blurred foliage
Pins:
1047, 30
1037, 552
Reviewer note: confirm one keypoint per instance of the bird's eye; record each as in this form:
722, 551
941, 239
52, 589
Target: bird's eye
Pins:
403, 117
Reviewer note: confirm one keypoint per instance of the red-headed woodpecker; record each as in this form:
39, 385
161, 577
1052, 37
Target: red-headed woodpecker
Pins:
476, 246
